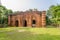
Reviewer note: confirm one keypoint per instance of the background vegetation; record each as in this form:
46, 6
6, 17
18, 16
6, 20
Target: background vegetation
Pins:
53, 15
4, 15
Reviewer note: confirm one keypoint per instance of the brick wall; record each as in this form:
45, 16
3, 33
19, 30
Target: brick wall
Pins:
39, 17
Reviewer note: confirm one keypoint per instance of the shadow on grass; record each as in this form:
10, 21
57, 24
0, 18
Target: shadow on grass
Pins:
30, 36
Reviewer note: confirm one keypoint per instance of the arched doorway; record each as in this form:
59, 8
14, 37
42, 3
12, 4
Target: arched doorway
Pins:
33, 23
16, 23
25, 23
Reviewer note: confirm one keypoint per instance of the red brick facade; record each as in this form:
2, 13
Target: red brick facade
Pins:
28, 19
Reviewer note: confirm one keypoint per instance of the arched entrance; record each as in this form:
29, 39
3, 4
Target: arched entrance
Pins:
33, 23
16, 23
25, 23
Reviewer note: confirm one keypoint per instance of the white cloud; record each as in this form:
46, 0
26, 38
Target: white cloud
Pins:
16, 4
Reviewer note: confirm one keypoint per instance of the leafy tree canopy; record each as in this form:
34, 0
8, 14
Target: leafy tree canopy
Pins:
3, 13
54, 13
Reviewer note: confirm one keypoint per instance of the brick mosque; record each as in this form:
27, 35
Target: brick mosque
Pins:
27, 19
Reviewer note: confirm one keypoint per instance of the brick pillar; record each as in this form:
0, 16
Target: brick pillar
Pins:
13, 21
9, 20
43, 18
38, 21
19, 21
29, 21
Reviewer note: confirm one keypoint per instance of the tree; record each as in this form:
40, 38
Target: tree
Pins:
54, 13
3, 14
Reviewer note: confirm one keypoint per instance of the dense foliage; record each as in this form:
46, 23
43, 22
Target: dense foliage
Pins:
54, 14
4, 14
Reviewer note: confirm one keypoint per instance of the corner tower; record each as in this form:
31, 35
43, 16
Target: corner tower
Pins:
43, 18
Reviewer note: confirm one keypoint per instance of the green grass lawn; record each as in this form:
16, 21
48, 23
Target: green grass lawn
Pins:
29, 33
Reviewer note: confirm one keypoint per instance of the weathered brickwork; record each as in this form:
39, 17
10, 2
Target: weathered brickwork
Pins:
27, 19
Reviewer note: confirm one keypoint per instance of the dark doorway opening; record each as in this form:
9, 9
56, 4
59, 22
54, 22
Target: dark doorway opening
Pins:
16, 23
25, 23
33, 23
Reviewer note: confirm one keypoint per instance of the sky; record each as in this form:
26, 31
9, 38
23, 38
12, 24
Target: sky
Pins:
22, 5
